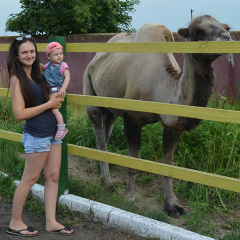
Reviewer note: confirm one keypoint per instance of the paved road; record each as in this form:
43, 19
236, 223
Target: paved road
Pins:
83, 230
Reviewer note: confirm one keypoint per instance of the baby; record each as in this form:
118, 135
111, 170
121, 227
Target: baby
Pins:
57, 75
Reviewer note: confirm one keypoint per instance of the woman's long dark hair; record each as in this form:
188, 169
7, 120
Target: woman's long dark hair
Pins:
14, 67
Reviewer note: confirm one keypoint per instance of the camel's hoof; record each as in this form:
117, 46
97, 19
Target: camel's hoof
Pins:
174, 210
109, 186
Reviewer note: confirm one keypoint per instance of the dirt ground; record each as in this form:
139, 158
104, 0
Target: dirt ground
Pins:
84, 230
85, 169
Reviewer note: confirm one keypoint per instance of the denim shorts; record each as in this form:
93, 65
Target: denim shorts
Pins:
36, 145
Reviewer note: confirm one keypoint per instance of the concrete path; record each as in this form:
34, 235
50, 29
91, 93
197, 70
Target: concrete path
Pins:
111, 217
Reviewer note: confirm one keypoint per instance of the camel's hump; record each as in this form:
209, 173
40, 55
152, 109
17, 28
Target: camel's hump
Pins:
151, 32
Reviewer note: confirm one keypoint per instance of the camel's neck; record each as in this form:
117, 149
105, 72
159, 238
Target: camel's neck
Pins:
196, 82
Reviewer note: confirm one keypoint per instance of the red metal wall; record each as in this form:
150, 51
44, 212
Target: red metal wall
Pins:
227, 77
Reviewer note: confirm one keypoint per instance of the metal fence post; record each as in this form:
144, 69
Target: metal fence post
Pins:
63, 179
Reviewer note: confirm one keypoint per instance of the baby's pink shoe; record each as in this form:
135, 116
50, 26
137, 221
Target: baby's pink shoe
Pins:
60, 134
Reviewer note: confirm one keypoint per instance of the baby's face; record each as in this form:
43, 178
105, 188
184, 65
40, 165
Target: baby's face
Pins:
56, 56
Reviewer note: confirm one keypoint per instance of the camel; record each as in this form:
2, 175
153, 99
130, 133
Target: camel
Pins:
152, 77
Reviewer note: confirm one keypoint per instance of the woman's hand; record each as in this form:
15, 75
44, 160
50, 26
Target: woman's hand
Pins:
55, 101
42, 69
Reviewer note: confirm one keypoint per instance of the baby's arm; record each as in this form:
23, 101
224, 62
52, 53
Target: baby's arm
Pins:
66, 81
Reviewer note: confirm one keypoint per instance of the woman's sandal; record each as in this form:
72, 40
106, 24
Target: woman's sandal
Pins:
18, 232
60, 231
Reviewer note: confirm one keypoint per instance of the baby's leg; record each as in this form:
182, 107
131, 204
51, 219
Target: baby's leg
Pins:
61, 127
56, 112
58, 116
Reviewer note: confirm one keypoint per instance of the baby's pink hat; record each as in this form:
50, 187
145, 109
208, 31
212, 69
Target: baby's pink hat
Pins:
52, 46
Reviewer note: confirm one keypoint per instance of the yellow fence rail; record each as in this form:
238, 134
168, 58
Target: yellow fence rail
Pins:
207, 179
212, 114
174, 47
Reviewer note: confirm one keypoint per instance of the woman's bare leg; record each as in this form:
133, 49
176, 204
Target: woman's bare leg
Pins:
51, 172
33, 167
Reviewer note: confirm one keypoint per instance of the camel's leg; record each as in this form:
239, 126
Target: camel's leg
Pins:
102, 122
170, 139
132, 132
108, 122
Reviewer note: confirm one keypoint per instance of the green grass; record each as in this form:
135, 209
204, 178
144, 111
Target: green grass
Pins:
97, 192
212, 147
232, 236
199, 219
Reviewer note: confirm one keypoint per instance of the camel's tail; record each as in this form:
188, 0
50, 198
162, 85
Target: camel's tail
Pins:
87, 84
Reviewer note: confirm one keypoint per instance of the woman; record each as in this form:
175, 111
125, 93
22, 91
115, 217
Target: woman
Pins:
30, 98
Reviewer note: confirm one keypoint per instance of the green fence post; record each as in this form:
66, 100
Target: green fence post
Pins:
63, 179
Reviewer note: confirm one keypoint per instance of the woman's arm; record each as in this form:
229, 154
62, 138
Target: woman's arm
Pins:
21, 113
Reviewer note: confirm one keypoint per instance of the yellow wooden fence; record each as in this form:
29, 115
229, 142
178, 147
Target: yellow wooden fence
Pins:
208, 179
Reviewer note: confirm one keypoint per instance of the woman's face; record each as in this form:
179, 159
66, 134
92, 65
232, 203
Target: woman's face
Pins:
27, 53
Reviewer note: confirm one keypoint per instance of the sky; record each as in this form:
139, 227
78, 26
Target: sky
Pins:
171, 13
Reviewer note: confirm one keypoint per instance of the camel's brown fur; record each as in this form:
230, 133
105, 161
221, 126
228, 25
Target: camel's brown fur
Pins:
152, 77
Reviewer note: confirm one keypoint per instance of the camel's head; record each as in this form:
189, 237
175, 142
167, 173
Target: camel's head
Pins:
206, 28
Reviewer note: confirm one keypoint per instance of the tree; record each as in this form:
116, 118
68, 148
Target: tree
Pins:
63, 17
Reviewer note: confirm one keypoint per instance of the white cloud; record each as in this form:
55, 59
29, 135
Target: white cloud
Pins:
8, 7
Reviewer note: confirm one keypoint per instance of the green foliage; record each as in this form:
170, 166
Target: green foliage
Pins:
144, 178
10, 161
9, 158
232, 236
33, 205
150, 238
152, 138
117, 142
7, 187
97, 192
233, 224
211, 147
61, 17
153, 214
6, 113
198, 220
7, 119
81, 131
84, 136
219, 149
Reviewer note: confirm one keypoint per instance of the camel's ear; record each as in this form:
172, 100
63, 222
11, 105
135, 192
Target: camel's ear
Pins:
225, 26
183, 32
